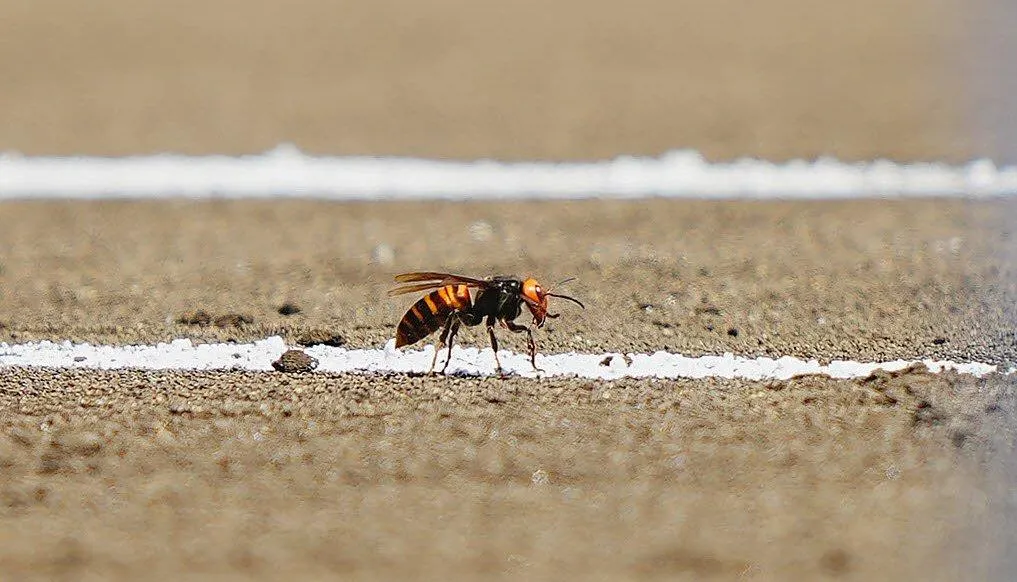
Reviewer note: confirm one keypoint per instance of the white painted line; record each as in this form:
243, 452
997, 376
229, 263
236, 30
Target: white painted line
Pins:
182, 354
285, 172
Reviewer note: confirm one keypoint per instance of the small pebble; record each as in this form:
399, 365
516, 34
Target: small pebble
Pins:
295, 361
540, 477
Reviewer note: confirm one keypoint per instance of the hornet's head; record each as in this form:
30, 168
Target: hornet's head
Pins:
536, 300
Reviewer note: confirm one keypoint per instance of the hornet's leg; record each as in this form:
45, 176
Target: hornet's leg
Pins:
451, 340
532, 345
494, 346
441, 342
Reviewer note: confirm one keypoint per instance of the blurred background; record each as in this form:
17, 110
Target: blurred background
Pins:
780, 79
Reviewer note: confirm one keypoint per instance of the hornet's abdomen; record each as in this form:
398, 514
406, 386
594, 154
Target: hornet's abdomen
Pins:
430, 313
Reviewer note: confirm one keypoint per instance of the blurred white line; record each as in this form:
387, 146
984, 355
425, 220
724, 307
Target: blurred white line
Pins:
285, 172
182, 354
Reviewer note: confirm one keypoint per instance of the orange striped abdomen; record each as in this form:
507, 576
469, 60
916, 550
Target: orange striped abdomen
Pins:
430, 313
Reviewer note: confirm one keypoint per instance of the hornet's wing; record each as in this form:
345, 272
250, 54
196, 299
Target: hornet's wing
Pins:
430, 280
